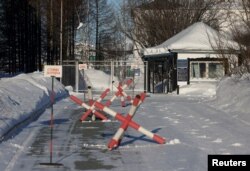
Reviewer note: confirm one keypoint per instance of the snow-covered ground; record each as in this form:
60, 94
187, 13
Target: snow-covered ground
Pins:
206, 118
23, 96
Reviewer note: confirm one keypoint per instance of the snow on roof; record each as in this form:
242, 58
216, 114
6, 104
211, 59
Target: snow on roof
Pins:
198, 37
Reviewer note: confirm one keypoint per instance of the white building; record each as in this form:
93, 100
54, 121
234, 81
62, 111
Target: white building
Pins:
199, 58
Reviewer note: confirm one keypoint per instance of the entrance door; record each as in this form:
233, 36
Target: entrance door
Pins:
157, 77
162, 74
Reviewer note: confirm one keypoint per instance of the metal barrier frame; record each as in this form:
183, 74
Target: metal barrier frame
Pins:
112, 66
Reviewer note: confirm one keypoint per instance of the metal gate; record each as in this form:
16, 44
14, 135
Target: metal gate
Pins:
101, 75
162, 73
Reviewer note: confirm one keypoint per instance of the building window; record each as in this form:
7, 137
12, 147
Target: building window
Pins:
182, 71
216, 70
195, 70
203, 70
206, 70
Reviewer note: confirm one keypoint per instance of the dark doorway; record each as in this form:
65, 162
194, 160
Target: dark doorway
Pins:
162, 73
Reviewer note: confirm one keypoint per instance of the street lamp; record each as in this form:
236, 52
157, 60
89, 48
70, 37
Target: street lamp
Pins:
80, 25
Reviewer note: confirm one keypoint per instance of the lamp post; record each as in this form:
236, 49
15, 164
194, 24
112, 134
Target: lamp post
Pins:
77, 66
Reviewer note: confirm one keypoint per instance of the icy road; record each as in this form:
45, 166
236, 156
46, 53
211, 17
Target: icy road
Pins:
192, 127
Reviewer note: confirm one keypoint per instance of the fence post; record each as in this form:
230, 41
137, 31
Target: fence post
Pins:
178, 89
112, 75
146, 78
76, 75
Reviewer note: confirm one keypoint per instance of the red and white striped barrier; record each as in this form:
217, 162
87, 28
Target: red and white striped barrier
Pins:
91, 101
127, 121
91, 108
115, 141
90, 96
120, 92
86, 106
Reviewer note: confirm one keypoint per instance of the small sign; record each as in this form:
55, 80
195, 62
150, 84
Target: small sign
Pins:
92, 58
134, 66
137, 72
53, 71
83, 66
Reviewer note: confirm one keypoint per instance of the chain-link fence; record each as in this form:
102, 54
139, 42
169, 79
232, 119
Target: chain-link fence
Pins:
101, 75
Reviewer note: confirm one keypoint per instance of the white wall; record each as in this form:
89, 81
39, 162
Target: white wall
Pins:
196, 55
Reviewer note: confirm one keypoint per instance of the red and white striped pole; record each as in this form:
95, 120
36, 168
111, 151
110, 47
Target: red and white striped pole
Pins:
115, 141
120, 92
123, 104
143, 96
131, 123
91, 101
81, 103
90, 95
123, 93
91, 108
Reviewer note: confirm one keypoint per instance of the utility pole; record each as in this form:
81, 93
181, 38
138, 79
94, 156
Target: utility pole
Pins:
61, 32
51, 52
87, 35
97, 45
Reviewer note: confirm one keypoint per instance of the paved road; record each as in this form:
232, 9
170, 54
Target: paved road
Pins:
193, 129
71, 138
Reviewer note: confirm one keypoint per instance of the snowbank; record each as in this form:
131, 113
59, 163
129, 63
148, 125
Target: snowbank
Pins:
204, 89
98, 79
233, 94
23, 96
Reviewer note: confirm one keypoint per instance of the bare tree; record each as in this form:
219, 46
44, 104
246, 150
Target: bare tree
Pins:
51, 18
150, 23
241, 33
237, 27
103, 28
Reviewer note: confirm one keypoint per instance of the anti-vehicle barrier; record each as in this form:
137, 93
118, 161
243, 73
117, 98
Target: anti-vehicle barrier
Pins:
91, 108
91, 101
120, 93
130, 123
116, 140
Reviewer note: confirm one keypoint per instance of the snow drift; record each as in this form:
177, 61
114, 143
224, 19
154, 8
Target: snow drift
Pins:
232, 94
98, 79
23, 96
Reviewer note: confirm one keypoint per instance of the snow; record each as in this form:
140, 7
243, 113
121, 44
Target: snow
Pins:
205, 118
198, 37
207, 89
23, 96
101, 82
233, 94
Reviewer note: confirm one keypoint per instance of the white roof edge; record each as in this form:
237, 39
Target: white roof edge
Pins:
196, 38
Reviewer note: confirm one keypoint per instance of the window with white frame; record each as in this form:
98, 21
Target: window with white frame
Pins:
206, 69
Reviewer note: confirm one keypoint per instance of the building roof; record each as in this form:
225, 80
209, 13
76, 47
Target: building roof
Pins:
196, 38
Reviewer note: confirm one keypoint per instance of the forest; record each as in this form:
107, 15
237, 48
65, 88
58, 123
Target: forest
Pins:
38, 32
